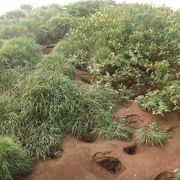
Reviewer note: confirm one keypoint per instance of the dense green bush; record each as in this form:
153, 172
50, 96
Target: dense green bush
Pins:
17, 56
47, 104
161, 101
127, 45
87, 8
14, 30
59, 26
151, 134
19, 53
14, 162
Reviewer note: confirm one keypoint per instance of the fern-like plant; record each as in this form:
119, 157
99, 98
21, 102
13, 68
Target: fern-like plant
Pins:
151, 134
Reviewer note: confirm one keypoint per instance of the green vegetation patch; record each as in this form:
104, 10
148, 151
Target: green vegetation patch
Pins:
14, 162
151, 134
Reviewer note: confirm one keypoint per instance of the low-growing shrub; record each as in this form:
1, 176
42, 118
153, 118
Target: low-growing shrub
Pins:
138, 48
151, 134
161, 101
56, 62
59, 26
19, 55
109, 130
14, 162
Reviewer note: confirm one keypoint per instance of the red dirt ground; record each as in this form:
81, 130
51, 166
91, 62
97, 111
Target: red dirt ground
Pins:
145, 164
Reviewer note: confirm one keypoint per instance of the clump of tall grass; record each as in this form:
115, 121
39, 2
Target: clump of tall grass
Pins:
18, 55
151, 134
112, 130
49, 105
14, 161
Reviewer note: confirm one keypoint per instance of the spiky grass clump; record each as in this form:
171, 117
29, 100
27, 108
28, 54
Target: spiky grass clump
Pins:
14, 162
18, 55
58, 63
112, 130
49, 104
151, 134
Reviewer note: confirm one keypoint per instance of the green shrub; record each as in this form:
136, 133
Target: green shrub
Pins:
138, 48
58, 63
47, 104
109, 130
161, 102
86, 8
19, 53
8, 78
59, 26
14, 162
151, 134
16, 14
14, 30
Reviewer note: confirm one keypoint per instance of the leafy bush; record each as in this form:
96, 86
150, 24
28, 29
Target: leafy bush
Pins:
139, 47
16, 14
14, 162
151, 134
161, 102
59, 26
87, 8
58, 63
13, 30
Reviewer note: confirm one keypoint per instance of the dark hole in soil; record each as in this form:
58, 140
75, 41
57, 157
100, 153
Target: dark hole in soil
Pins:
165, 176
131, 150
111, 164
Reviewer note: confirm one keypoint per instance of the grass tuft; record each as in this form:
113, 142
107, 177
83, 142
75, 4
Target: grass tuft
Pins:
14, 162
151, 134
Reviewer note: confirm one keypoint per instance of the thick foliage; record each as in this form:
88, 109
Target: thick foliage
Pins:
87, 8
14, 162
44, 25
17, 55
161, 101
151, 134
127, 46
47, 104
